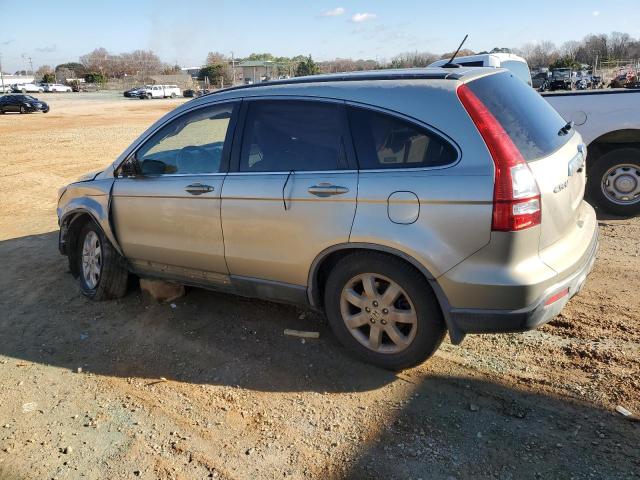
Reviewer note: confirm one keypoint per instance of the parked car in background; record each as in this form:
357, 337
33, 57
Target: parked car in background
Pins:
133, 92
560, 79
27, 87
540, 81
400, 219
22, 104
517, 65
159, 91
6, 88
56, 87
609, 121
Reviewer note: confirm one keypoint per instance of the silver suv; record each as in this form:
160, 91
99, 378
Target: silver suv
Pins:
404, 204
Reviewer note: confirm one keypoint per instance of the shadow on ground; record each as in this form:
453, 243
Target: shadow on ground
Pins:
208, 338
450, 427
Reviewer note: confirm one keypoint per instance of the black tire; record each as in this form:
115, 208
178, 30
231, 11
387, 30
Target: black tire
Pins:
1, 111
619, 156
430, 323
112, 282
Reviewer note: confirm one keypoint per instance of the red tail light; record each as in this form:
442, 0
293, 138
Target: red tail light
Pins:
516, 197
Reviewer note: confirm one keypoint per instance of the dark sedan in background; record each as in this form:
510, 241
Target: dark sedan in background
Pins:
22, 104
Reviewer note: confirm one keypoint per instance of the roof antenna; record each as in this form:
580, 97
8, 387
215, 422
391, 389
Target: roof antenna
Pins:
450, 63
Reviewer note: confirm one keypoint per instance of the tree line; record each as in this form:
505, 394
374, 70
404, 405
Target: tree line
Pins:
615, 46
99, 65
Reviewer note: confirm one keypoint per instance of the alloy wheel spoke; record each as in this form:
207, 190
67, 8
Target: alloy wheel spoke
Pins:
391, 294
357, 320
396, 335
354, 298
375, 337
369, 285
402, 316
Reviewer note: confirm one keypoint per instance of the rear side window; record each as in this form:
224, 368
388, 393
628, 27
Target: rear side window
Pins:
384, 142
284, 135
531, 123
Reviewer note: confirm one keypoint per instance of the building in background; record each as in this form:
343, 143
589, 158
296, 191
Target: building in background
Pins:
255, 71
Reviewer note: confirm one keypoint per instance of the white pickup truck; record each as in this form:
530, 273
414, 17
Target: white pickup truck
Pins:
609, 122
159, 91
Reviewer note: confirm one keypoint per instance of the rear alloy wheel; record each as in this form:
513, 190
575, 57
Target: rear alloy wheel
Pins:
23, 110
615, 185
384, 322
102, 273
384, 310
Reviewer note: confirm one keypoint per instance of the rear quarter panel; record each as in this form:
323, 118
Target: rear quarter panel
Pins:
454, 202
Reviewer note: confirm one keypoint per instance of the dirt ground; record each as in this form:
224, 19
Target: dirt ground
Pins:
209, 387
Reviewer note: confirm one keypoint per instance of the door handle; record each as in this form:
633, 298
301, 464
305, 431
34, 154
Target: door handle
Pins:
198, 188
327, 190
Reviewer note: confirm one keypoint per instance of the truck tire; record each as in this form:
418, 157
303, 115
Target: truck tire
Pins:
383, 310
101, 270
614, 182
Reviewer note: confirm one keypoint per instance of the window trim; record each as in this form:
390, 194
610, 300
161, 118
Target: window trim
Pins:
236, 104
234, 168
412, 121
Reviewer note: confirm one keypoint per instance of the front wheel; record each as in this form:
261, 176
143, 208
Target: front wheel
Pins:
23, 110
383, 310
614, 182
102, 274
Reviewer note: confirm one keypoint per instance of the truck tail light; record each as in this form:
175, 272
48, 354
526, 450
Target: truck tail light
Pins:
516, 196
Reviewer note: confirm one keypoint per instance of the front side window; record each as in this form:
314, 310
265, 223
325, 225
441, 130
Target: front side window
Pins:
190, 144
383, 141
285, 135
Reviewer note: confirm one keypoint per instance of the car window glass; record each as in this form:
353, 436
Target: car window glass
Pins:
385, 141
289, 135
190, 144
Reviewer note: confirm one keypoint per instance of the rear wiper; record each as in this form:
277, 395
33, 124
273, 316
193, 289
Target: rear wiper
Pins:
564, 130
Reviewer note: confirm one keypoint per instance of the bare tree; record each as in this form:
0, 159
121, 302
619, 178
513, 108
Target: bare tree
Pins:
618, 45
214, 58
539, 55
413, 59
570, 49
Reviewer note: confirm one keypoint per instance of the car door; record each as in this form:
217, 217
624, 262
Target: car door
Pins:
167, 214
14, 103
292, 192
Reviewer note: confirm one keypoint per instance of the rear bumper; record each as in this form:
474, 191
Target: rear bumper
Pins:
466, 320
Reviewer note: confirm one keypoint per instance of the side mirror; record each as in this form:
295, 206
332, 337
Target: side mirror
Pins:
128, 168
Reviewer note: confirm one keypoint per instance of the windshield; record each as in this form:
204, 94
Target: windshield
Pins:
531, 122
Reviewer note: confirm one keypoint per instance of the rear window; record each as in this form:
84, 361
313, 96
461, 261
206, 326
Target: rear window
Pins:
531, 123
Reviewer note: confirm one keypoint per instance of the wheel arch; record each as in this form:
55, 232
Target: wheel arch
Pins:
323, 263
622, 138
70, 226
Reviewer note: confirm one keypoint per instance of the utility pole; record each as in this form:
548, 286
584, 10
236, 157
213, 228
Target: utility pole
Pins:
1, 74
233, 69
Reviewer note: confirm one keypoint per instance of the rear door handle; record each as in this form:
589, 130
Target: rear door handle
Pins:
198, 188
327, 190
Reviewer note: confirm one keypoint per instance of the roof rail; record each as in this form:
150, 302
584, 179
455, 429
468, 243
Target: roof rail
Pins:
348, 77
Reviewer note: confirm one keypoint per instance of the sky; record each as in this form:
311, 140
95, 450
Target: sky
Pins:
184, 31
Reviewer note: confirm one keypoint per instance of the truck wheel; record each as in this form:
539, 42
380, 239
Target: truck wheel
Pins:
102, 273
383, 310
614, 182
173, 95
